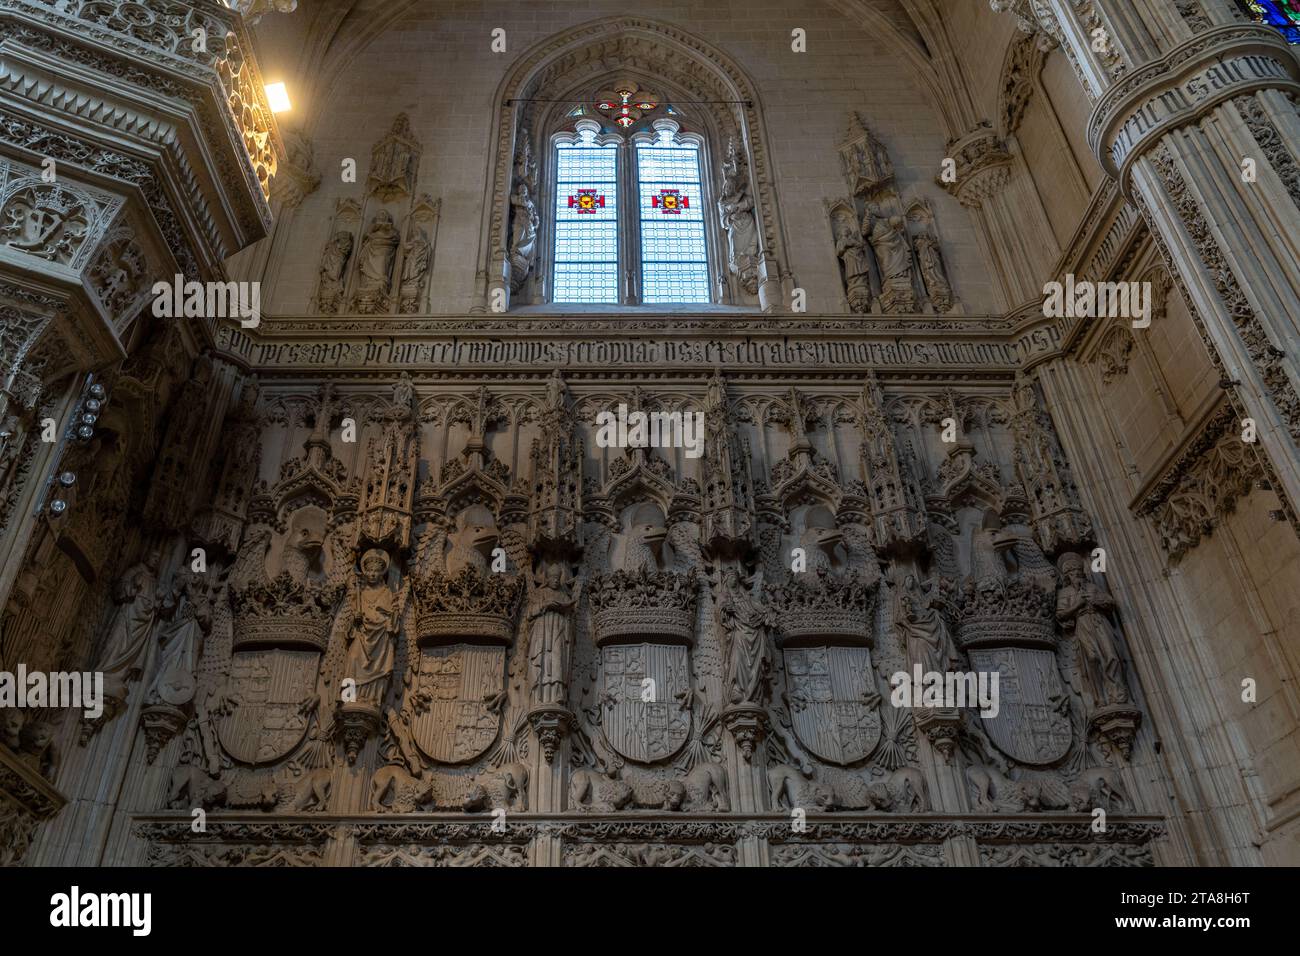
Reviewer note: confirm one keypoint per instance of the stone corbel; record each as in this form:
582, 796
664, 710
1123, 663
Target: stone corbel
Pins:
296, 178
983, 166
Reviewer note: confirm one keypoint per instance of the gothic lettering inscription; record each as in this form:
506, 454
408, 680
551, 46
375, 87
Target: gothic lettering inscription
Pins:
525, 352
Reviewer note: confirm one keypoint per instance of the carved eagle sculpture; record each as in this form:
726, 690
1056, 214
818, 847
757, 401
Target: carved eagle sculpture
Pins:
303, 555
472, 542
819, 541
645, 541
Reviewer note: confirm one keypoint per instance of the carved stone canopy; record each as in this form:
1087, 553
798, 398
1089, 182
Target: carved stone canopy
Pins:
394, 162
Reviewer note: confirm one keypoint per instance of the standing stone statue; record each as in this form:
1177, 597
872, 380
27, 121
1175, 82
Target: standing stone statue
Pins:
371, 649
404, 395
1081, 606
333, 267
523, 235
375, 268
125, 653
893, 257
922, 626
746, 624
550, 642
852, 252
11, 442
736, 209
177, 678
415, 268
933, 272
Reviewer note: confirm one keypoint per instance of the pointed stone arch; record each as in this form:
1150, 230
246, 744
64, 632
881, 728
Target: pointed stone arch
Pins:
643, 46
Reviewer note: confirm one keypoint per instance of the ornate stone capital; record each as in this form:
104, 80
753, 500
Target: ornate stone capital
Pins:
983, 166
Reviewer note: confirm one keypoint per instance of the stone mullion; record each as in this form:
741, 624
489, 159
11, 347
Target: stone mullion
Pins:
1263, 247
1002, 238
1201, 767
1026, 267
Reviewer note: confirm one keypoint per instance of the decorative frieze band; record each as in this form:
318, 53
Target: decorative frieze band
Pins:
701, 349
428, 841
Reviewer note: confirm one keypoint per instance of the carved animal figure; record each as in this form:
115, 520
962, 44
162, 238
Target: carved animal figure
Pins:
311, 791
505, 788
994, 792
1098, 787
252, 790
658, 794
706, 788
819, 540
645, 543
472, 542
791, 790
403, 792
589, 789
191, 786
903, 791
303, 548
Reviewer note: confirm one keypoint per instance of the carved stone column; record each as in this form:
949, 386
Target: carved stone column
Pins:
136, 145
1196, 118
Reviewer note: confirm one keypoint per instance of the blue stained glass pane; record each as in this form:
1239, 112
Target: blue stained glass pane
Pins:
674, 258
586, 223
1282, 14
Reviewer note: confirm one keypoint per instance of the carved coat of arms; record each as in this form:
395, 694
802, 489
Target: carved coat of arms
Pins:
456, 708
646, 699
1033, 722
833, 701
267, 703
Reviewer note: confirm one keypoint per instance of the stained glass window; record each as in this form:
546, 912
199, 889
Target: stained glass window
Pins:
674, 259
586, 222
1282, 14
625, 105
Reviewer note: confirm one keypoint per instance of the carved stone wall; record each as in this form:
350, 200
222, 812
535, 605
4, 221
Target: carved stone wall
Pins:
445, 617
441, 620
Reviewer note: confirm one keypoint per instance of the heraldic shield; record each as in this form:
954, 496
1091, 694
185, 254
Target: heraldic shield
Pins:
457, 697
646, 722
831, 691
266, 703
1033, 723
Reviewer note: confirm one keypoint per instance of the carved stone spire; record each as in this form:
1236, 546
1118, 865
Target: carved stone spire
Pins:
727, 508
1058, 515
895, 495
555, 517
388, 486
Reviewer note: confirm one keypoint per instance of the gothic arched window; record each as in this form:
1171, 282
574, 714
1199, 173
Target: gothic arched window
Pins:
629, 200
